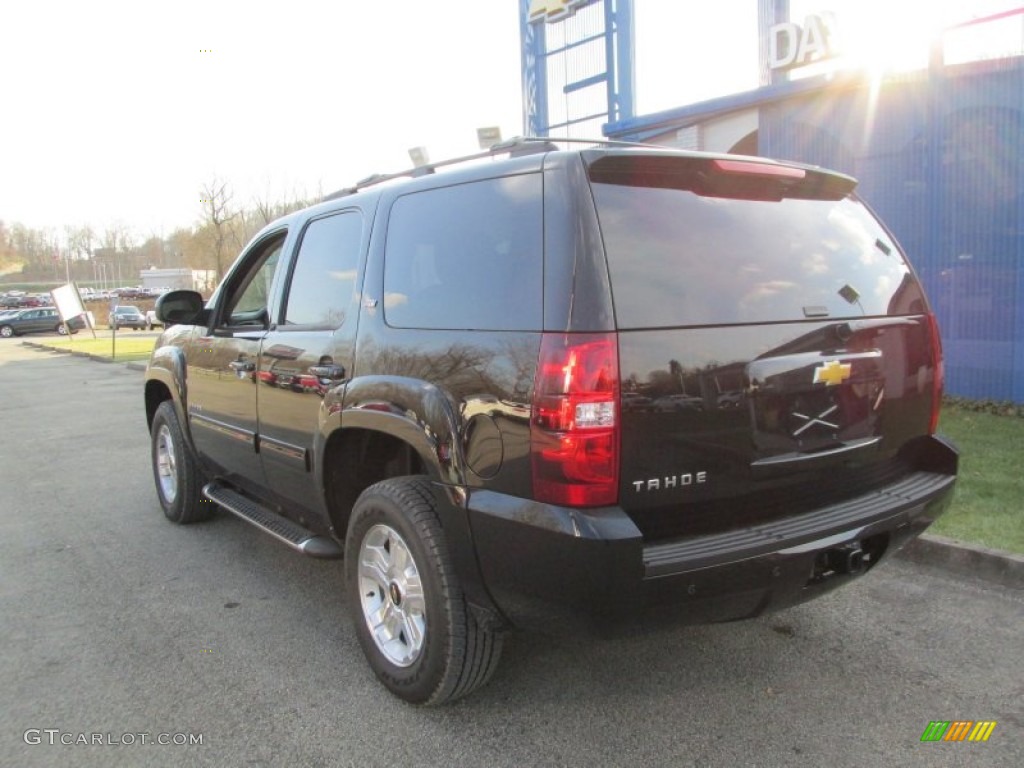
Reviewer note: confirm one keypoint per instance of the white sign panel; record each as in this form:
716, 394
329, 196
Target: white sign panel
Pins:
67, 302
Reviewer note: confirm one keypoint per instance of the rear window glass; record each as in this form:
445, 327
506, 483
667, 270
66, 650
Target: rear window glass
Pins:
468, 256
678, 258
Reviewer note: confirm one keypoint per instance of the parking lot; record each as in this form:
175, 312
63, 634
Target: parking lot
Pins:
117, 623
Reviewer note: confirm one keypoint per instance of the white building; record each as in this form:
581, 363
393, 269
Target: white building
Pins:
202, 280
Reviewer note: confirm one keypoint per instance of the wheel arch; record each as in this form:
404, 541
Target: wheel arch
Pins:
165, 380
389, 426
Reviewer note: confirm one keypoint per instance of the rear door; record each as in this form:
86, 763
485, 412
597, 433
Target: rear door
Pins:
774, 344
309, 350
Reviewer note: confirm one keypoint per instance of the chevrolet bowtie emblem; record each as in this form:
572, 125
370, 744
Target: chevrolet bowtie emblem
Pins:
832, 373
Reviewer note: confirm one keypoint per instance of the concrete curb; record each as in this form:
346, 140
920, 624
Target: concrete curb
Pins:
75, 353
963, 559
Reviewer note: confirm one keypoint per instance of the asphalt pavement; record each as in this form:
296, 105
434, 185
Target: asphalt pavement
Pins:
121, 630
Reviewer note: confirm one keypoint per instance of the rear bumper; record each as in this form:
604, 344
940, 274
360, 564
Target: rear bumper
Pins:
559, 569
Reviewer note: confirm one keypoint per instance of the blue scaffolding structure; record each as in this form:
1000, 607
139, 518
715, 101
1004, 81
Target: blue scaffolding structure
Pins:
939, 154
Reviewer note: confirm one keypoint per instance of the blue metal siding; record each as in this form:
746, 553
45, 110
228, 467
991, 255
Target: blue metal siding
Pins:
940, 156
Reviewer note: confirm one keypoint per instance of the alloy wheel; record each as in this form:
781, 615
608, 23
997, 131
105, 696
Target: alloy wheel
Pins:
166, 464
391, 595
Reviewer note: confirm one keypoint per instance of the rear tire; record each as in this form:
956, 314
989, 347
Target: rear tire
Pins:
175, 470
62, 330
416, 630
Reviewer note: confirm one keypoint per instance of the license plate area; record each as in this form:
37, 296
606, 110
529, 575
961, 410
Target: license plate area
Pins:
810, 403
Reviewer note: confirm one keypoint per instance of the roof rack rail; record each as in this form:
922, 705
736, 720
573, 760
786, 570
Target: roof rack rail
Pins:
566, 140
518, 146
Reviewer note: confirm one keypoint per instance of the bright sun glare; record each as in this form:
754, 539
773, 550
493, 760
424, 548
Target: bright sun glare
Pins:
899, 42
881, 38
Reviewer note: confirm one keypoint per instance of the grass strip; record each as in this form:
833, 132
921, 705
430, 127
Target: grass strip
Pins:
128, 349
987, 508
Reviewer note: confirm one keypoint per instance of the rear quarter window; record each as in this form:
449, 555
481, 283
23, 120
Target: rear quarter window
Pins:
678, 258
467, 257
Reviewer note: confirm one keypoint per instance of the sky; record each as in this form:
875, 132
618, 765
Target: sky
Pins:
122, 110
119, 112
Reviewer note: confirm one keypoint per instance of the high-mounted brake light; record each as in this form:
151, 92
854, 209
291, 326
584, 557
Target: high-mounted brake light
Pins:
938, 378
574, 429
759, 169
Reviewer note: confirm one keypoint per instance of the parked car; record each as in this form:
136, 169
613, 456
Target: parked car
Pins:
133, 293
425, 377
126, 316
37, 320
152, 321
24, 302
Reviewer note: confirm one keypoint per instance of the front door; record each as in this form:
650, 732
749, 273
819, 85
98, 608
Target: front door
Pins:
223, 361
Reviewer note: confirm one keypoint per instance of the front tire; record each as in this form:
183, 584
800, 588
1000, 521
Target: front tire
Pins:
6, 331
177, 476
410, 615
61, 330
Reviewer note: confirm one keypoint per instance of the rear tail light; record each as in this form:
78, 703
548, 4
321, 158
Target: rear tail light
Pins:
938, 379
574, 427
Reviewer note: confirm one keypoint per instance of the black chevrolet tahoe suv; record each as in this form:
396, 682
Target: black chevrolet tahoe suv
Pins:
562, 389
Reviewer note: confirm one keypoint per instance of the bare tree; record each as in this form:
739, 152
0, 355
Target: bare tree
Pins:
117, 241
80, 240
266, 211
151, 252
116, 237
215, 197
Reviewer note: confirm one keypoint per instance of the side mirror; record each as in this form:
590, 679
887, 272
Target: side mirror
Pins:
181, 308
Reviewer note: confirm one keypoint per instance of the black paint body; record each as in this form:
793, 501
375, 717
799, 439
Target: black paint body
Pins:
740, 471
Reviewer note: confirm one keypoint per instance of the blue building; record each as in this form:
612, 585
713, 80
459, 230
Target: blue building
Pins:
938, 150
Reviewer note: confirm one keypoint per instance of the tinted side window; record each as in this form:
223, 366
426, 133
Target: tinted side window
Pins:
324, 278
250, 304
467, 257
